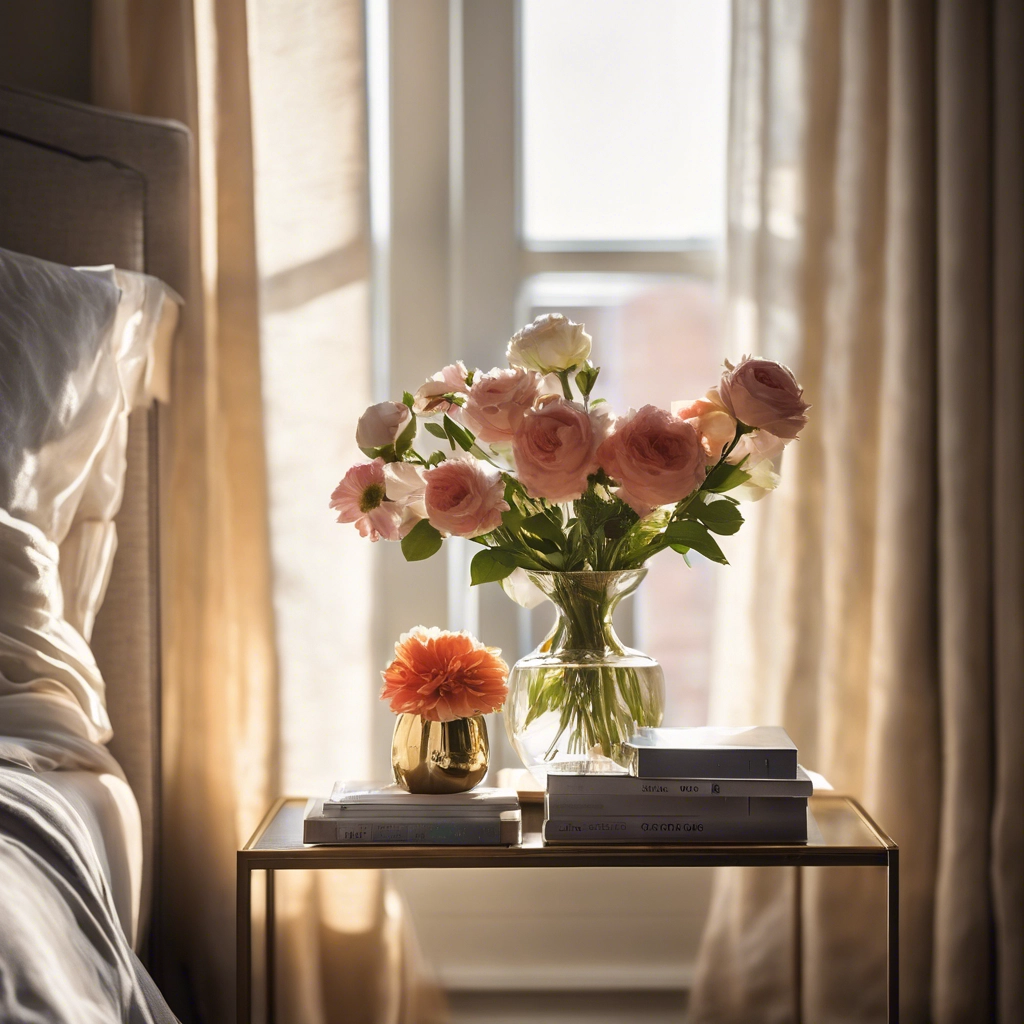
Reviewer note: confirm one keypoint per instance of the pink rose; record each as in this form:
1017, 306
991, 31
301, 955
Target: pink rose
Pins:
465, 497
360, 499
381, 424
498, 400
764, 393
656, 457
429, 398
555, 448
714, 425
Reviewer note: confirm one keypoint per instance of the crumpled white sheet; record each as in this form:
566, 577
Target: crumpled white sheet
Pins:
64, 957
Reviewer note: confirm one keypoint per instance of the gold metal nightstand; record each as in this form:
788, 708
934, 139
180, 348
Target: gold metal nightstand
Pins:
842, 834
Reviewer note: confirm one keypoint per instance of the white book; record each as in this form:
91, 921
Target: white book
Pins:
713, 752
364, 798
661, 829
626, 786
705, 808
501, 830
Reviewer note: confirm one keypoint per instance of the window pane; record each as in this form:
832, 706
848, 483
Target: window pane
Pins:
624, 117
657, 340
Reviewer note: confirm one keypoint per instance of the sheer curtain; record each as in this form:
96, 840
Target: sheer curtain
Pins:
875, 244
268, 679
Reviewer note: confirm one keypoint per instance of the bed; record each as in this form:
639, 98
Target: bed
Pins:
84, 187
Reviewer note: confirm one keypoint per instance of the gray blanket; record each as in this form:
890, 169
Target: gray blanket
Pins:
64, 958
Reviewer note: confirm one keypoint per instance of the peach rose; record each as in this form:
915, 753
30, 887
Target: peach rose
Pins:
497, 401
657, 458
711, 421
763, 393
429, 398
555, 448
381, 424
442, 676
465, 497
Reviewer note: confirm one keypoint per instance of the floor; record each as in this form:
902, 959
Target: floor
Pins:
567, 1007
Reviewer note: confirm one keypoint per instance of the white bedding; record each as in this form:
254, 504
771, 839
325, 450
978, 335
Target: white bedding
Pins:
78, 351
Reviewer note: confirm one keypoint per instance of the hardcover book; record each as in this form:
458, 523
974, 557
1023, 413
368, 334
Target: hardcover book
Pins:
366, 798
779, 826
705, 808
713, 752
501, 829
621, 787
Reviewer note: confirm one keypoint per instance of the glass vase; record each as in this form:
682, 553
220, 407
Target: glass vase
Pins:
581, 694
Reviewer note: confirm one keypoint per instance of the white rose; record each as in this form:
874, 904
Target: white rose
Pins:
404, 485
382, 424
551, 343
761, 451
522, 589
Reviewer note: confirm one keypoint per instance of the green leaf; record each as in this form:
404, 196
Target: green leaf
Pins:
587, 378
684, 551
725, 477
491, 565
437, 430
386, 452
541, 526
421, 542
435, 459
719, 516
405, 439
407, 398
457, 435
691, 534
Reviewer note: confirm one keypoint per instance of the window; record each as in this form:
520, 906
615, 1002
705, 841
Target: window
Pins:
554, 154
623, 122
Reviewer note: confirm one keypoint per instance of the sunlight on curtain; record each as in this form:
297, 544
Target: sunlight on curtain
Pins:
341, 939
310, 172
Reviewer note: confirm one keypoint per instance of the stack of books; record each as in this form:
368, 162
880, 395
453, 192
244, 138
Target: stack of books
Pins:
703, 785
361, 812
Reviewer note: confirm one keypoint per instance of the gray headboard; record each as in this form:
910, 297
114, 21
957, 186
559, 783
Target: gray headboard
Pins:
83, 186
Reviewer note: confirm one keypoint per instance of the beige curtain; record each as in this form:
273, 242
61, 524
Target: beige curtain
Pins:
344, 950
875, 243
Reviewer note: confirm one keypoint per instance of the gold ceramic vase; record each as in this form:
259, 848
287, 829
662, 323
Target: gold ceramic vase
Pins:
439, 757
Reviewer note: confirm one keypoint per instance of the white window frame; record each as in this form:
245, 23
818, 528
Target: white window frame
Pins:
450, 266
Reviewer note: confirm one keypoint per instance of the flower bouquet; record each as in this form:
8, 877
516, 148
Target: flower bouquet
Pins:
568, 500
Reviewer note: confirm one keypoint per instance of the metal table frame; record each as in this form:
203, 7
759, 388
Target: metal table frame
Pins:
266, 852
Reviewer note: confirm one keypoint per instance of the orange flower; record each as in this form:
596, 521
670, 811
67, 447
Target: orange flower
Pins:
442, 676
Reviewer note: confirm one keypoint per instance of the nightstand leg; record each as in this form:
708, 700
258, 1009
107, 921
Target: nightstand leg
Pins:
798, 945
892, 872
271, 958
243, 943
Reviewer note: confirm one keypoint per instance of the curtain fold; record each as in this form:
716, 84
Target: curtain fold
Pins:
346, 951
875, 245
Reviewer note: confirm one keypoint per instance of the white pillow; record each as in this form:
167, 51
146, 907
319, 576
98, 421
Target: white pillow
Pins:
79, 349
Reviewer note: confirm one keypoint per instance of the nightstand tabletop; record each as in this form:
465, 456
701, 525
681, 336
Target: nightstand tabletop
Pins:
840, 832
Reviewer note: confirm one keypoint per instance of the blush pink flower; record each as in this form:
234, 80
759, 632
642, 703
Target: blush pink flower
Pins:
430, 396
555, 448
657, 458
360, 499
711, 421
763, 393
442, 676
382, 424
464, 497
498, 400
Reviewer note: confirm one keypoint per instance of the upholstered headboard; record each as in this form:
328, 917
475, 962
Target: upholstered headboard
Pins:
83, 186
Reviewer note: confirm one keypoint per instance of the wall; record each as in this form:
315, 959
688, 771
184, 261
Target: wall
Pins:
45, 46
